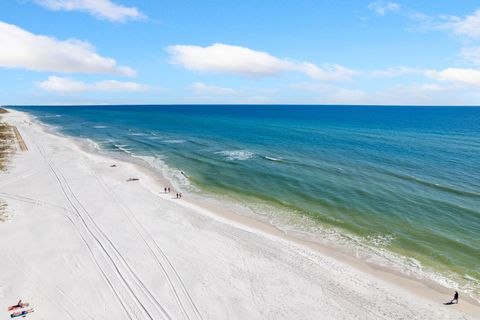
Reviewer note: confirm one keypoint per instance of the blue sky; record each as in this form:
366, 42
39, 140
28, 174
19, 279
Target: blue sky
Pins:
213, 51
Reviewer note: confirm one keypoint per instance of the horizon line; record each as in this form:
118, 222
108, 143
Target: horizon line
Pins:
237, 104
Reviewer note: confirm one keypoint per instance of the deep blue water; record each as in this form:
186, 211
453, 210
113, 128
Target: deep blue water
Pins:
405, 179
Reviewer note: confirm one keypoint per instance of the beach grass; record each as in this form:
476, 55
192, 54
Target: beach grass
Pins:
6, 141
3, 213
6, 148
6, 144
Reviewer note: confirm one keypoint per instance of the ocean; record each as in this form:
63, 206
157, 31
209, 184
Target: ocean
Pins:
397, 185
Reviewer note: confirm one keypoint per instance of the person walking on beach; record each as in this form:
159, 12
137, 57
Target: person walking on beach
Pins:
455, 297
454, 300
168, 189
177, 195
165, 189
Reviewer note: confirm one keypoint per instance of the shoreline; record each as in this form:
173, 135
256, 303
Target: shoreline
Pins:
422, 289
417, 282
257, 224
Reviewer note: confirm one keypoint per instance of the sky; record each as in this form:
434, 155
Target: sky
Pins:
239, 51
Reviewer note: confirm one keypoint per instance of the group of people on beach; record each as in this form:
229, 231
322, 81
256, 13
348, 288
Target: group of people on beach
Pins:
167, 190
17, 309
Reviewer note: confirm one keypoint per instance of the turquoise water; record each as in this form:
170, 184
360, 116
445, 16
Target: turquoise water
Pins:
403, 180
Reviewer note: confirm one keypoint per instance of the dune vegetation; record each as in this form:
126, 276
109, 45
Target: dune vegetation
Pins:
6, 148
6, 143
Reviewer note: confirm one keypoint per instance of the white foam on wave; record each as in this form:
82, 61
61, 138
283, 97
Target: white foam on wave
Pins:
52, 116
123, 147
52, 128
94, 144
380, 240
178, 178
273, 159
100, 127
375, 249
140, 134
174, 141
237, 154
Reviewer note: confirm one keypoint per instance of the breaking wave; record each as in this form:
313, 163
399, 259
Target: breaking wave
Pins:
272, 159
236, 154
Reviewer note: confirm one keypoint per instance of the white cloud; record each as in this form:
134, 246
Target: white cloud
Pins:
430, 87
411, 94
427, 94
381, 7
67, 85
223, 58
114, 85
202, 88
22, 49
420, 17
215, 94
328, 72
59, 84
469, 25
458, 75
104, 9
395, 72
333, 94
471, 54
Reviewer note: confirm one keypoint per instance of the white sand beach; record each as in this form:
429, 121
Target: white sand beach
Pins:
82, 242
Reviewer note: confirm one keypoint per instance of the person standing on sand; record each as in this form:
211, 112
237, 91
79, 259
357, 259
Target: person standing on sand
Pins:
168, 189
455, 297
165, 189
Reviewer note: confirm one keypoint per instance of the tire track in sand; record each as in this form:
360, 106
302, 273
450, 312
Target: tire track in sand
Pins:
113, 273
159, 255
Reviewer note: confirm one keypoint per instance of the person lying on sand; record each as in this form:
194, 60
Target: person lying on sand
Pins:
21, 313
19, 305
